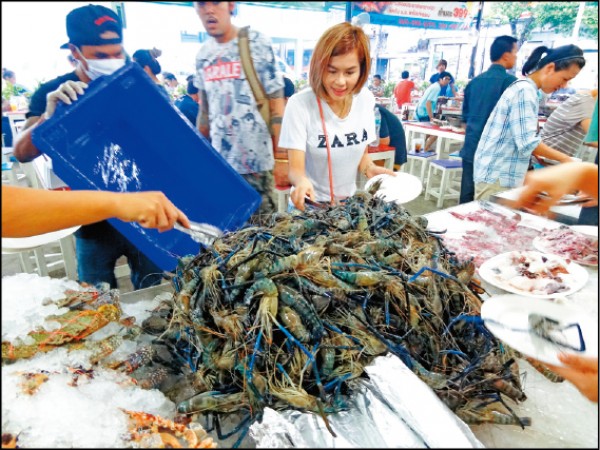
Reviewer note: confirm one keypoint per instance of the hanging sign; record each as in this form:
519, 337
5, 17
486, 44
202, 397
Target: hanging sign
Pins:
432, 15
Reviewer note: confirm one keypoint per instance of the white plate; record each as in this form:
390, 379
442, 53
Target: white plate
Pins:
502, 314
27, 243
575, 279
590, 230
540, 244
400, 189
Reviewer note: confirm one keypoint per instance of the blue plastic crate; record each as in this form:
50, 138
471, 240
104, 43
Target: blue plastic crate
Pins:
123, 135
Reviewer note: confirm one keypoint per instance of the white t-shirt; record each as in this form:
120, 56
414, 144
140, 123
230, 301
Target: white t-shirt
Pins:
302, 130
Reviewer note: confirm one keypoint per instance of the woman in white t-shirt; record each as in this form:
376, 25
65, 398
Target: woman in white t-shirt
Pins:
339, 69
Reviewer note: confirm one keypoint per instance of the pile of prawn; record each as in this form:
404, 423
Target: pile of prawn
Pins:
287, 314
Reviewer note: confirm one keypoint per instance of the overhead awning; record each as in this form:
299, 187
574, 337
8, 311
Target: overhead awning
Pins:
305, 6
429, 15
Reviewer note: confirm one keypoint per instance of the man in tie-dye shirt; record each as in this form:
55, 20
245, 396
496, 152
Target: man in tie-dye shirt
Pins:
229, 116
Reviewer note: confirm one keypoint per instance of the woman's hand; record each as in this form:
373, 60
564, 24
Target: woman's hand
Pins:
556, 181
373, 169
66, 93
302, 189
581, 371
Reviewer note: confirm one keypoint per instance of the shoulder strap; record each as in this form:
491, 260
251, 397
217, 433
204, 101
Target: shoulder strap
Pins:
257, 88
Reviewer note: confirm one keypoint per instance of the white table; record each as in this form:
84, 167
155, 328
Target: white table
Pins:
444, 136
561, 416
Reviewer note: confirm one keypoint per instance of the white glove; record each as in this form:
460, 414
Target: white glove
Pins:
66, 92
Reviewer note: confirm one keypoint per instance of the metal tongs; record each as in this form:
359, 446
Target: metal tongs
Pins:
500, 210
203, 233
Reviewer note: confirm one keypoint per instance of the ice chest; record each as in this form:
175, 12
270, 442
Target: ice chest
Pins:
124, 135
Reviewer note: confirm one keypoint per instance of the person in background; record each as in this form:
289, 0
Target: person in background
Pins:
377, 86
510, 135
339, 68
96, 42
556, 181
403, 90
10, 77
391, 133
229, 116
171, 83
448, 90
148, 60
428, 103
589, 211
188, 104
481, 95
569, 123
7, 137
288, 90
29, 212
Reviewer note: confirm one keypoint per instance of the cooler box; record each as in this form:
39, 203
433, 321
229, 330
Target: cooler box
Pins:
123, 135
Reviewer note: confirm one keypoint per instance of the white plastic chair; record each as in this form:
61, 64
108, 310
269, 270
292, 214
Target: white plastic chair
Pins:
35, 244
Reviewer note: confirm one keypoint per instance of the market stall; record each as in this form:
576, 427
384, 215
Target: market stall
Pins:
393, 407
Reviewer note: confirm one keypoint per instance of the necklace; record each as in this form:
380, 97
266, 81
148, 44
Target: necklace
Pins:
344, 110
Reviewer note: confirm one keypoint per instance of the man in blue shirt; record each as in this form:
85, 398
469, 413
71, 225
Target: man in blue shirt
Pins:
481, 95
188, 104
427, 105
448, 90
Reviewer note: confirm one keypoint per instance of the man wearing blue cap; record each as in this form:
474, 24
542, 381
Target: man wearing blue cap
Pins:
96, 42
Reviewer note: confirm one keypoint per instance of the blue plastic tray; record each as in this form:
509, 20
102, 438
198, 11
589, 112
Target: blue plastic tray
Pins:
123, 135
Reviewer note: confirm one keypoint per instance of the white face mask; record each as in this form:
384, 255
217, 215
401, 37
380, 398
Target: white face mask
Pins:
99, 67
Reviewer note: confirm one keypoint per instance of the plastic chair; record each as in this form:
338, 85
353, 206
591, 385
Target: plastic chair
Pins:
8, 174
449, 169
35, 244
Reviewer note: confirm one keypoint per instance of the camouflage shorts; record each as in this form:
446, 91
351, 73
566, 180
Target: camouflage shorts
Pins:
264, 184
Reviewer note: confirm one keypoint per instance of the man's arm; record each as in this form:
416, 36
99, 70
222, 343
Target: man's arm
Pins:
276, 106
67, 92
585, 124
546, 151
428, 104
202, 120
23, 148
29, 212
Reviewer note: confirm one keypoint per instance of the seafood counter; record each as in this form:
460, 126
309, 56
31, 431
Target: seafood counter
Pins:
353, 326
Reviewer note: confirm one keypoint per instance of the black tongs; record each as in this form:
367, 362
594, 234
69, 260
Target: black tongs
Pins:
203, 233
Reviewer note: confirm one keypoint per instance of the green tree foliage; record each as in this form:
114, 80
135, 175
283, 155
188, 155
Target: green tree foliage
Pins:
559, 17
511, 12
589, 24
